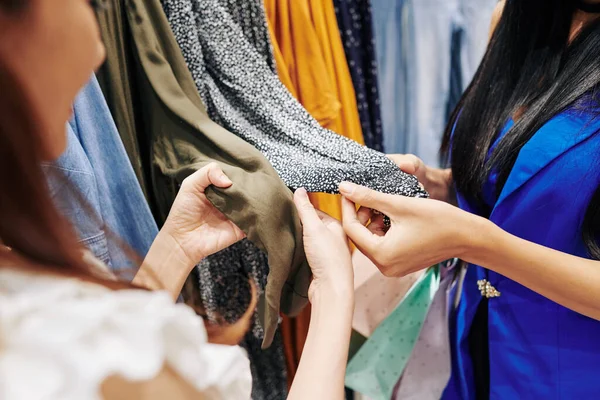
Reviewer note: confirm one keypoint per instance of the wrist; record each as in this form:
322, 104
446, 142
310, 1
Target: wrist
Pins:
332, 295
477, 237
440, 183
167, 254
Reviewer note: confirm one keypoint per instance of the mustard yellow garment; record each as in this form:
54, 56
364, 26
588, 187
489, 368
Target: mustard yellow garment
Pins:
300, 62
312, 64
325, 23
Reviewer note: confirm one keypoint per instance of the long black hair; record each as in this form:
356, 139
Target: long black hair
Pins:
530, 72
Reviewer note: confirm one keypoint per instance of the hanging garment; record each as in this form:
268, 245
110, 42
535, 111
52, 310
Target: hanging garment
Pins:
268, 367
378, 365
376, 296
414, 46
356, 28
246, 97
310, 76
225, 294
301, 67
428, 369
325, 23
300, 61
93, 184
178, 138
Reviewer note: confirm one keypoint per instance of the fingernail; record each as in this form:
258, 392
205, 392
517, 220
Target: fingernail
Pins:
302, 192
347, 188
224, 179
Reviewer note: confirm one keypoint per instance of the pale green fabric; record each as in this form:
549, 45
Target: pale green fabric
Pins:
378, 365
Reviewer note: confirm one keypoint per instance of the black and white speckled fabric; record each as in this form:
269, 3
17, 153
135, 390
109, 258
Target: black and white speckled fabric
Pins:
269, 376
250, 17
244, 95
222, 43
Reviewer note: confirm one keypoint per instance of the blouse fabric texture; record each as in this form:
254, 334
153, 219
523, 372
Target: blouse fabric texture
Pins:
62, 338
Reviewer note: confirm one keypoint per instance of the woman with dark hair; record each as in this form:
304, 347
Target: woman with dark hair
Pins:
68, 329
523, 145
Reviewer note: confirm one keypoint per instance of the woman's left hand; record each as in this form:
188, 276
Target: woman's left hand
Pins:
423, 232
197, 227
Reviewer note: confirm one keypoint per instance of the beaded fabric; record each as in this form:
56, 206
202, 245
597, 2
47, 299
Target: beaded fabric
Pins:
226, 46
244, 95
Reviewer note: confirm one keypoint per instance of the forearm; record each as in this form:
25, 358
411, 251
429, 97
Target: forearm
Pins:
322, 368
166, 267
571, 281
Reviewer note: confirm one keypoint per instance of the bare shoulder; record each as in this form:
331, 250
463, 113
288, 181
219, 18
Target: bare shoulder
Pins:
496, 16
167, 385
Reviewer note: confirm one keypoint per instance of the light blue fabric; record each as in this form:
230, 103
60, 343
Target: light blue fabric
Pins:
414, 50
96, 170
392, 25
538, 349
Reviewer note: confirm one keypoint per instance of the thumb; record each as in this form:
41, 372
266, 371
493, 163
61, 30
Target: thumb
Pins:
209, 175
367, 198
308, 215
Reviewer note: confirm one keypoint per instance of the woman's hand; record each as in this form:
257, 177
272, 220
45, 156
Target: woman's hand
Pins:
327, 250
194, 223
194, 230
423, 231
437, 182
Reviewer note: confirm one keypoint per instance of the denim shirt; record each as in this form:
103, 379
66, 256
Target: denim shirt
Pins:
94, 186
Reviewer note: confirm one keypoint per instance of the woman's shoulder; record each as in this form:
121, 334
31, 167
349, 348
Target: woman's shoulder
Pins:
62, 338
496, 16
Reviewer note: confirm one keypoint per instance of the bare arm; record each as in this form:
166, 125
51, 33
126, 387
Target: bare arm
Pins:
166, 267
322, 368
167, 385
570, 281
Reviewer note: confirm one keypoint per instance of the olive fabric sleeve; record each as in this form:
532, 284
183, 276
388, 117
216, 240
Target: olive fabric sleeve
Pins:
182, 139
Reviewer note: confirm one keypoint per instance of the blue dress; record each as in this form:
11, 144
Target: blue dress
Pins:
537, 348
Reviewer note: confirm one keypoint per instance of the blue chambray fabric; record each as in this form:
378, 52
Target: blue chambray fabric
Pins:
94, 186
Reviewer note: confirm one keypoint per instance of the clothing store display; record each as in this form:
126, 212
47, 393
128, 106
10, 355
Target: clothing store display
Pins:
300, 60
392, 38
246, 97
376, 296
179, 138
93, 184
356, 29
414, 48
428, 369
326, 27
376, 368
63, 338
543, 201
302, 68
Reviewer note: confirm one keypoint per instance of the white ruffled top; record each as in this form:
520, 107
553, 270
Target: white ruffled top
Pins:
61, 338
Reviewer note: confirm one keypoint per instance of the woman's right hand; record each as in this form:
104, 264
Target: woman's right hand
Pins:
437, 182
327, 250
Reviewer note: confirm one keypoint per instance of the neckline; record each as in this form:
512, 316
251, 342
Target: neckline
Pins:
592, 8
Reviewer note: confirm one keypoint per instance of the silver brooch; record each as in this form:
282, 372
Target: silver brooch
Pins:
487, 290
